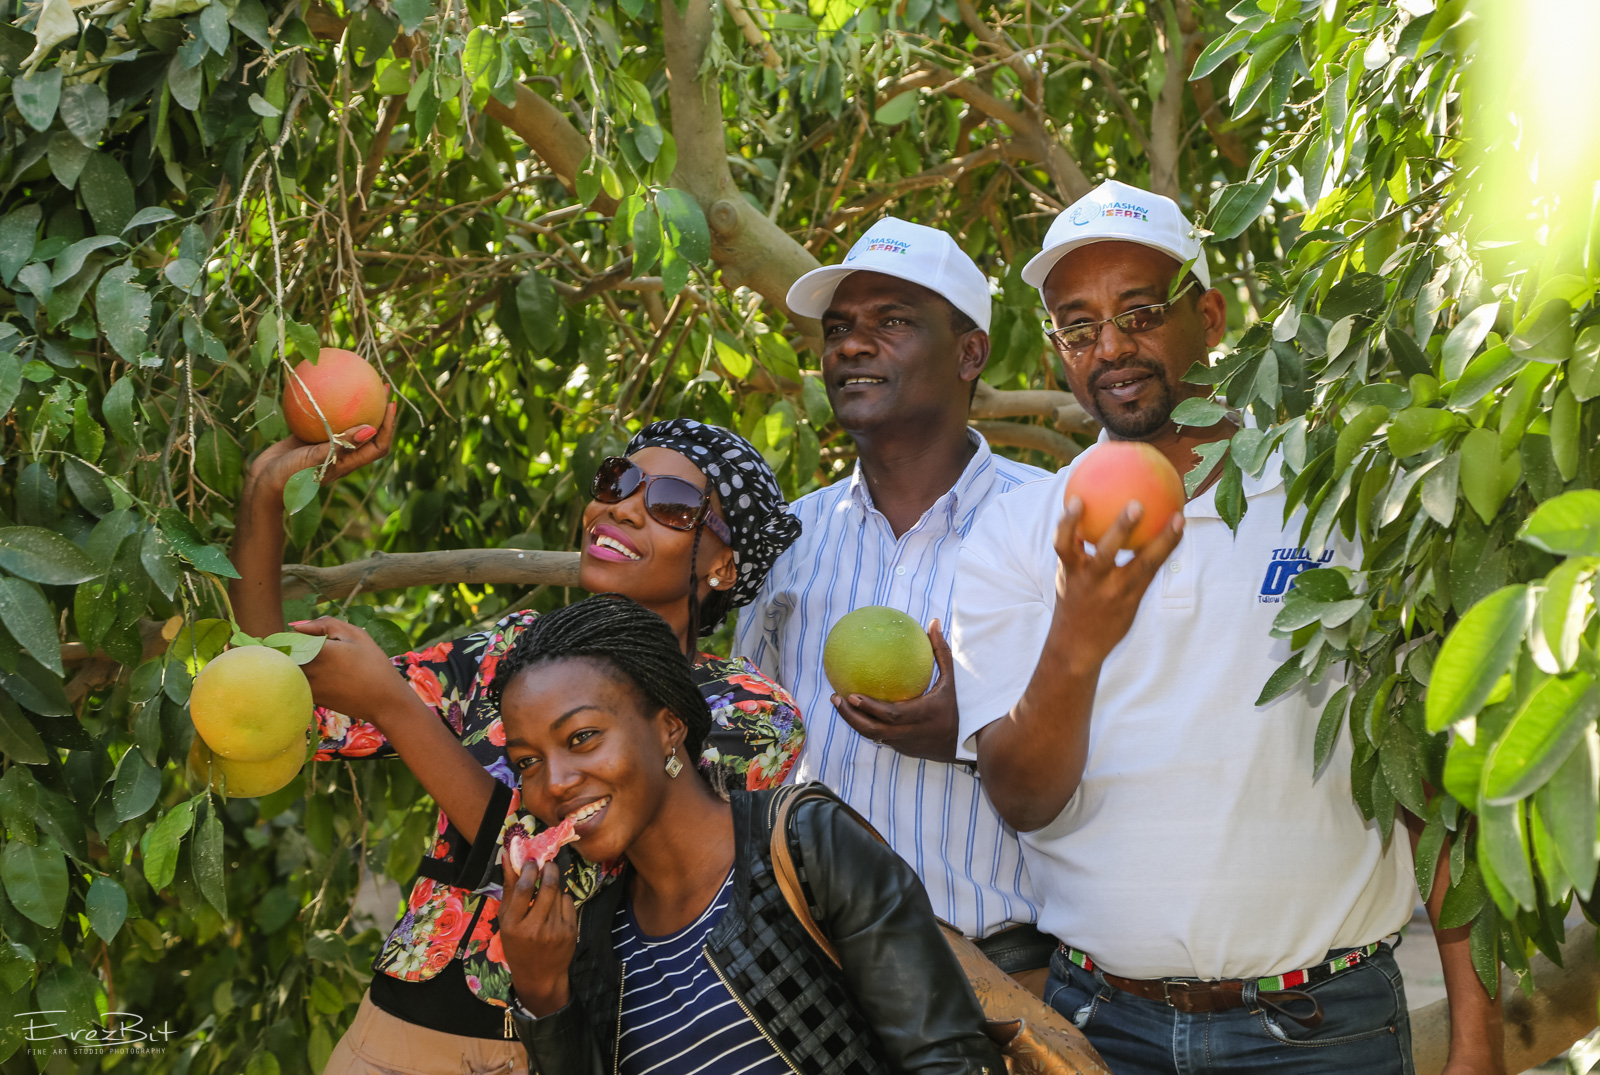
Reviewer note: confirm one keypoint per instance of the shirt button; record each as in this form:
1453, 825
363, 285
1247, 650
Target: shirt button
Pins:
1175, 567
901, 570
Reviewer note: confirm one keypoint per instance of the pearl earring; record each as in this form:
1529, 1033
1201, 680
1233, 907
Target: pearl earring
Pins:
674, 766
714, 580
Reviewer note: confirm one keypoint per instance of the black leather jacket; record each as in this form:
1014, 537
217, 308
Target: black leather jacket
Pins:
898, 1001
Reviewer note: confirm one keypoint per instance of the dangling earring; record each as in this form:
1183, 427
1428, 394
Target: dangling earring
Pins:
674, 766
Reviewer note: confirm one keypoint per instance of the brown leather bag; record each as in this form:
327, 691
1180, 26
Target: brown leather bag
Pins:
1034, 1037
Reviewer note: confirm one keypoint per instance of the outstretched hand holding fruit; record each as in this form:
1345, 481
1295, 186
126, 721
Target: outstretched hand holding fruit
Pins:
539, 933
1042, 745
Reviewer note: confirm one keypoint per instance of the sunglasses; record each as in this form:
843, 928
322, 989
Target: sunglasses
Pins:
669, 501
1084, 334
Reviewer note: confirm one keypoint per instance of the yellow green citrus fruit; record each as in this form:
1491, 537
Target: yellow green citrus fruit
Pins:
244, 779
878, 652
251, 704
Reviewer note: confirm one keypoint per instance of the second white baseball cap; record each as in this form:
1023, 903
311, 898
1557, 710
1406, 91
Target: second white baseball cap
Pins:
908, 251
1116, 211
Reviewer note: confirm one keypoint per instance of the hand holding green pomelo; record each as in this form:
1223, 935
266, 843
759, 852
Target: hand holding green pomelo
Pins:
243, 779
1112, 474
878, 652
251, 704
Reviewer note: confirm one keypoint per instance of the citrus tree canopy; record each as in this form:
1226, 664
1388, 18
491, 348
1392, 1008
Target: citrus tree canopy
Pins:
552, 223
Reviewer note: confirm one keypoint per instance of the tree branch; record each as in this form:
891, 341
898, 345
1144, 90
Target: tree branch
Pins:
1166, 113
550, 135
1228, 143
393, 571
991, 402
1031, 438
751, 250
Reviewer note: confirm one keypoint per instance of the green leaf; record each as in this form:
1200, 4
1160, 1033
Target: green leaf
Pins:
36, 688
36, 880
373, 30
1465, 339
117, 406
1465, 898
1357, 293
646, 239
539, 310
814, 395
1556, 639
70, 990
1328, 727
250, 19
1503, 840
779, 358
85, 110
70, 260
302, 648
897, 109
1539, 738
136, 786
31, 621
1568, 804
300, 490
187, 543
1583, 372
107, 193
1568, 525
1237, 206
19, 739
1218, 51
123, 308
1426, 860
107, 908
206, 859
44, 556
1475, 654
303, 338
685, 224
1487, 478
1199, 413
160, 844
150, 214
87, 436
411, 13
1546, 334
1416, 429
37, 96
18, 230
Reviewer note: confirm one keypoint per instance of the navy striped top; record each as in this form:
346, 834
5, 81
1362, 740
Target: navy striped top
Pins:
678, 1018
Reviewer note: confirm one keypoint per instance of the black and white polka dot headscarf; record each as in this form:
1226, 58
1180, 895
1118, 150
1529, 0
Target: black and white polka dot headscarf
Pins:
752, 503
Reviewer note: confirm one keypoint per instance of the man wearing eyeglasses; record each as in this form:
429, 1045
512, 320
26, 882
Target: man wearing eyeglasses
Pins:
1221, 906
905, 322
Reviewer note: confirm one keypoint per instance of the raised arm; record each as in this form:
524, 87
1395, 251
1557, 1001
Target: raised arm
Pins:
258, 530
1032, 758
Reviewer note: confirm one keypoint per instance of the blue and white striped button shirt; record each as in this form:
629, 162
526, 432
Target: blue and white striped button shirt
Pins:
935, 815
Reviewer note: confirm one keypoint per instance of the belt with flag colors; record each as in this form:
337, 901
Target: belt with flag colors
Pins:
1274, 983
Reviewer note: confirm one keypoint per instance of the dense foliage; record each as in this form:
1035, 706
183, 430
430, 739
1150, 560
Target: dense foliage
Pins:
547, 238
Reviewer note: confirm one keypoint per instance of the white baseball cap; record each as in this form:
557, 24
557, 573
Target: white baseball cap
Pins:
1116, 211
908, 251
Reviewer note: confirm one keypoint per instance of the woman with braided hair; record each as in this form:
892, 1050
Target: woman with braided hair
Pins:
694, 963
687, 524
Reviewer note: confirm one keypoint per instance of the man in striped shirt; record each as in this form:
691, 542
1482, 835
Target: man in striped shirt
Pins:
905, 327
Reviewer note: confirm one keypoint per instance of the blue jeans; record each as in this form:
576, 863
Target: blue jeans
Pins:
1364, 1026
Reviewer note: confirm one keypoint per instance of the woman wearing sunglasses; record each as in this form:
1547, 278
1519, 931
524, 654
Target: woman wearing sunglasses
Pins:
687, 525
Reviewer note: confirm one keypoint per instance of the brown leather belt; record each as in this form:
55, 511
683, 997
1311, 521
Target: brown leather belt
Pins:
1200, 997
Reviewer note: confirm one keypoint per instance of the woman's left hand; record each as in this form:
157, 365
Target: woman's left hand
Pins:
351, 675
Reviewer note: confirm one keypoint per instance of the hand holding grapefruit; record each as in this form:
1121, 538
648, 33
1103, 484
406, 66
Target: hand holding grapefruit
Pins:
346, 388
1112, 474
251, 704
878, 652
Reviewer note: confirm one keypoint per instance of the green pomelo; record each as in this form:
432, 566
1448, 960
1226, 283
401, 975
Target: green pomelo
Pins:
243, 779
251, 704
878, 652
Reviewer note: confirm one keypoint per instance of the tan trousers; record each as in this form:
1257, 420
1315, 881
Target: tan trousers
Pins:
377, 1043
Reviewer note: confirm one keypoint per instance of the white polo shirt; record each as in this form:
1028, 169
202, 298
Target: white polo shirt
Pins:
1199, 842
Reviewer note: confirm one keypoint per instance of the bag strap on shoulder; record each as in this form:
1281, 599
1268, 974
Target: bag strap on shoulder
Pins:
780, 814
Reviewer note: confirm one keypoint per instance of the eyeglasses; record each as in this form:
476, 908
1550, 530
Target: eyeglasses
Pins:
1083, 335
669, 501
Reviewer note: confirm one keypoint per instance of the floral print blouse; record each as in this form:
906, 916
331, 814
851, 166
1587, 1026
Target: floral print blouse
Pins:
454, 906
